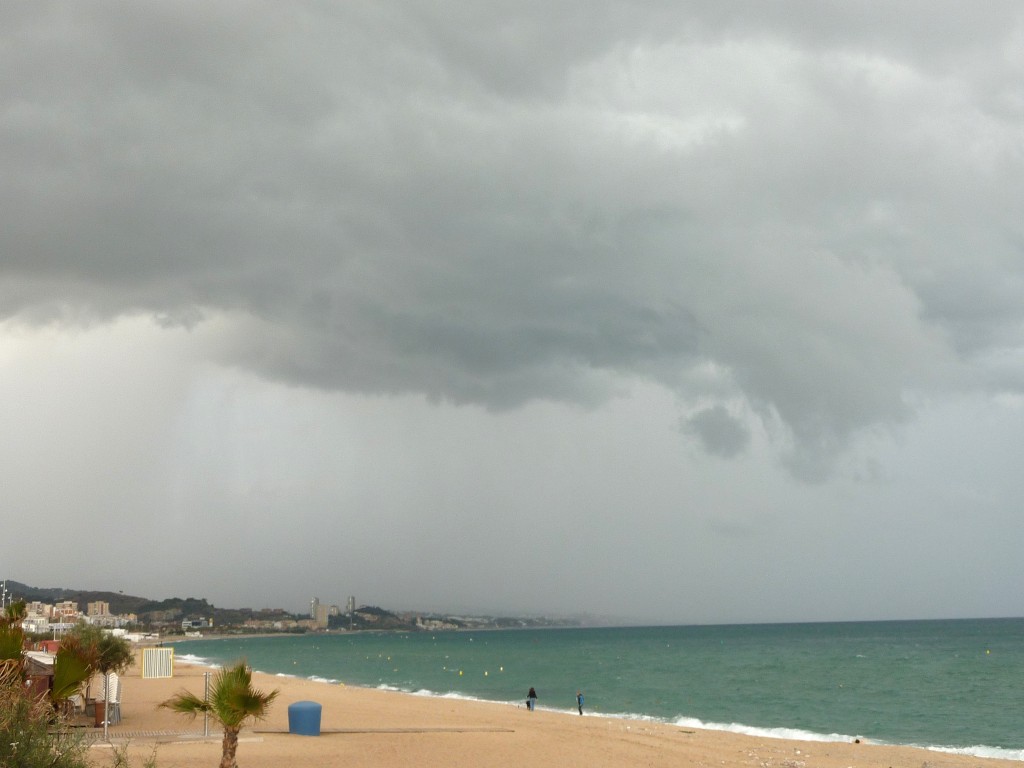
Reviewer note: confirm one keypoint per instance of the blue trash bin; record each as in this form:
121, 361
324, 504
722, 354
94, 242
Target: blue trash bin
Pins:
304, 718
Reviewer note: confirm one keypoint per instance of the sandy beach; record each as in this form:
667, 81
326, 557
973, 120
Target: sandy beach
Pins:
366, 727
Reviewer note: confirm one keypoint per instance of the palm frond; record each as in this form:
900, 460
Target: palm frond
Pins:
186, 703
70, 671
232, 701
12, 638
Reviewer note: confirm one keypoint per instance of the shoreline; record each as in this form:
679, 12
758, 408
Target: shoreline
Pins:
372, 727
780, 733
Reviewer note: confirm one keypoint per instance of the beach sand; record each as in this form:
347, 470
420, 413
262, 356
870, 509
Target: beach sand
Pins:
366, 727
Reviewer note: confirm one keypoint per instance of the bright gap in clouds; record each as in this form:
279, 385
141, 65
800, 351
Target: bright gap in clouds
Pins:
212, 483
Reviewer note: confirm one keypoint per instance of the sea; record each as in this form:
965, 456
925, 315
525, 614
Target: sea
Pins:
954, 685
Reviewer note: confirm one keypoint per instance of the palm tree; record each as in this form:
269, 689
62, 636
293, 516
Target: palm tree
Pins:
232, 702
70, 671
102, 652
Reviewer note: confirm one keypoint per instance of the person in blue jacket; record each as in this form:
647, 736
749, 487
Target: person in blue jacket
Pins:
579, 700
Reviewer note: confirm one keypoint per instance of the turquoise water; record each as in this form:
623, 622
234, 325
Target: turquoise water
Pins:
949, 684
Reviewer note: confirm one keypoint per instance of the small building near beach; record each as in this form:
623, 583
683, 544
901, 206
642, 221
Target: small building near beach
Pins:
39, 672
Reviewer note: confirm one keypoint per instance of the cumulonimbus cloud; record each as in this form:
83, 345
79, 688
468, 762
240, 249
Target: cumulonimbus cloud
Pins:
489, 212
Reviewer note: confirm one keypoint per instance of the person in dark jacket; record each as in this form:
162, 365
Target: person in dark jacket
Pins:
531, 700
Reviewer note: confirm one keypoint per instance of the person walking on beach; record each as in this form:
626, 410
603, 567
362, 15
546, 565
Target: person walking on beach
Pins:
531, 700
579, 700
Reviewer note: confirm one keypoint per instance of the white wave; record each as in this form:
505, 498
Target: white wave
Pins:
192, 659
317, 679
981, 750
796, 734
792, 734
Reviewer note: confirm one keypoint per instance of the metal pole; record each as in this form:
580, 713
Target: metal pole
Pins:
206, 698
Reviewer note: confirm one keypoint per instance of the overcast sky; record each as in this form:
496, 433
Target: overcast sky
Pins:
665, 311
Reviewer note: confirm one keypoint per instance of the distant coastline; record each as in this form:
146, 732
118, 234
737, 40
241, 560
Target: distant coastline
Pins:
173, 615
175, 639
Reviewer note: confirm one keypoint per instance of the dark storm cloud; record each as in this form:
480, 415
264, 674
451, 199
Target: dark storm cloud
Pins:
499, 205
720, 433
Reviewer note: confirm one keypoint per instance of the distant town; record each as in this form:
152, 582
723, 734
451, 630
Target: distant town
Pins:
53, 611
